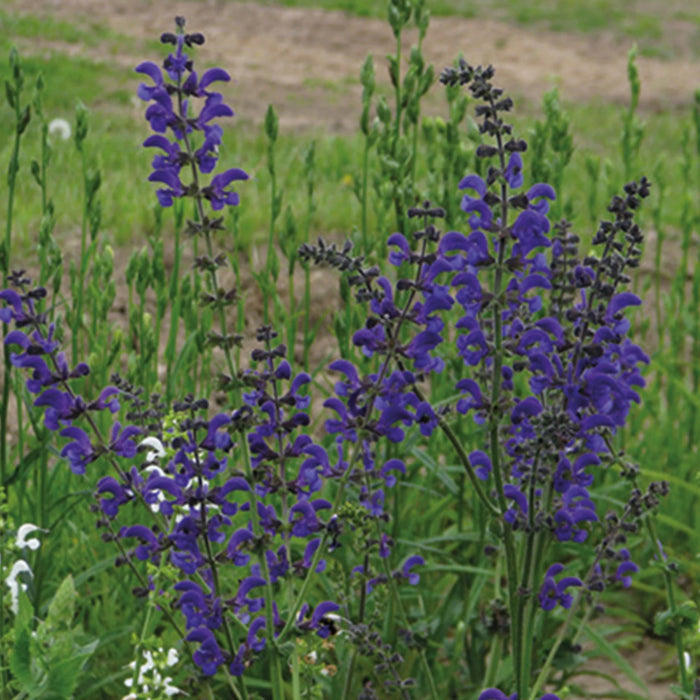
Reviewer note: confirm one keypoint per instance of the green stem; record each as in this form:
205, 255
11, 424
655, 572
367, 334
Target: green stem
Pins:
540, 546
13, 169
272, 645
514, 601
686, 683
494, 662
363, 203
82, 266
461, 453
404, 620
5, 257
544, 672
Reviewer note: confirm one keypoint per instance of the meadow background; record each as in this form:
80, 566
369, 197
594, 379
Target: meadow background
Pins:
599, 115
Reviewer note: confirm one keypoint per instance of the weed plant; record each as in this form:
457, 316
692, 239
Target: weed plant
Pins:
442, 508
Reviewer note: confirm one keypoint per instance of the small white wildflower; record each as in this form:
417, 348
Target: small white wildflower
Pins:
170, 689
20, 566
24, 530
158, 449
144, 668
150, 680
61, 128
687, 661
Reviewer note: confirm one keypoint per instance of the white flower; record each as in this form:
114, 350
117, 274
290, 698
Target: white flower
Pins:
170, 689
61, 128
22, 533
20, 566
173, 657
687, 661
150, 677
158, 449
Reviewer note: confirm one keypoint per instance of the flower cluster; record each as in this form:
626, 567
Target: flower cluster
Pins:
13, 567
553, 378
150, 681
170, 112
51, 379
267, 521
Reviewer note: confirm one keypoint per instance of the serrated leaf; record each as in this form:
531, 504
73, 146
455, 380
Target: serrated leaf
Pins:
64, 675
20, 661
62, 607
23, 619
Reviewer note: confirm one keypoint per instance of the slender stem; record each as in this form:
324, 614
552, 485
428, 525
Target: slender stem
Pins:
404, 620
349, 675
544, 672
82, 266
540, 543
212, 276
494, 661
514, 601
5, 258
365, 178
677, 630
275, 667
461, 453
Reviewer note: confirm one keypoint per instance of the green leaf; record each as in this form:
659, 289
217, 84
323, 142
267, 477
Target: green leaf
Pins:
64, 675
685, 616
20, 661
438, 470
62, 607
23, 619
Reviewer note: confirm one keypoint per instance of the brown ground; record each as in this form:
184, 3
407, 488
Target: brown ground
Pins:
306, 62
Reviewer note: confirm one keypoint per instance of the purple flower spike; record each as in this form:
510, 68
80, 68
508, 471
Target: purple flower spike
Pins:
482, 463
252, 640
514, 171
473, 182
396, 257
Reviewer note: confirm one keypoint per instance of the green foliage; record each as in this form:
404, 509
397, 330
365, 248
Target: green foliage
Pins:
46, 662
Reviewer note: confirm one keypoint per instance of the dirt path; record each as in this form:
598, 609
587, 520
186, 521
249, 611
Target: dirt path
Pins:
307, 62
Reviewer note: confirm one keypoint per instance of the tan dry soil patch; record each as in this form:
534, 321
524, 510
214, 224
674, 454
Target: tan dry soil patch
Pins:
306, 61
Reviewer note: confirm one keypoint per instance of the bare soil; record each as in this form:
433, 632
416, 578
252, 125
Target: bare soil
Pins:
307, 62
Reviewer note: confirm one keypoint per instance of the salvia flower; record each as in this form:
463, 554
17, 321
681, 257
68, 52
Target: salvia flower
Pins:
171, 98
